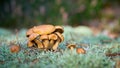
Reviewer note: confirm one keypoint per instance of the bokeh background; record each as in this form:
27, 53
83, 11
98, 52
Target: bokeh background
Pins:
27, 13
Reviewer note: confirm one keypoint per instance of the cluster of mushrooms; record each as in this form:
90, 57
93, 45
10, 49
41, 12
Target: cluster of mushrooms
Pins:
78, 50
45, 37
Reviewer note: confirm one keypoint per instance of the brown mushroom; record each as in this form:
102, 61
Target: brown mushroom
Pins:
59, 29
42, 37
52, 42
71, 46
33, 36
44, 29
60, 36
30, 44
52, 38
60, 39
39, 43
15, 48
80, 51
29, 32
56, 45
45, 41
45, 36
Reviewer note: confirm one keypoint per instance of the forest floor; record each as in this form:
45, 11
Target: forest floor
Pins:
101, 51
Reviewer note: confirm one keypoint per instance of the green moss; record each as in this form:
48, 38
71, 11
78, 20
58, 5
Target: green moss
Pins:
95, 56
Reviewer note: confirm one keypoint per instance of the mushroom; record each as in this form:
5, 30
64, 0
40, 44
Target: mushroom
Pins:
33, 36
52, 42
39, 43
45, 41
59, 39
71, 46
60, 36
52, 38
59, 29
30, 44
29, 32
15, 48
45, 36
80, 51
44, 29
56, 45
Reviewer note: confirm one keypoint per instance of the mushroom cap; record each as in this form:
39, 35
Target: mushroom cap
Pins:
51, 42
52, 37
59, 29
29, 32
44, 29
15, 48
60, 36
80, 51
32, 36
43, 37
71, 45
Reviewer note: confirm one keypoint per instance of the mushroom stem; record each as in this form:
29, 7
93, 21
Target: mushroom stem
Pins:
39, 44
30, 44
51, 44
71, 48
56, 45
60, 36
46, 43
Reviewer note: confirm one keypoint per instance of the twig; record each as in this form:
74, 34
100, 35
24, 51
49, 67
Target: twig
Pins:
112, 54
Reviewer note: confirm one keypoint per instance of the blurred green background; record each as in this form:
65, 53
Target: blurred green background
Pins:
27, 13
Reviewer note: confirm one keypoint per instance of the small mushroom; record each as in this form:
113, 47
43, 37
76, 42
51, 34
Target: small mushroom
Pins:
80, 51
60, 36
60, 39
33, 36
71, 46
39, 44
59, 29
52, 42
52, 38
29, 32
56, 45
44, 29
30, 44
45, 41
15, 48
